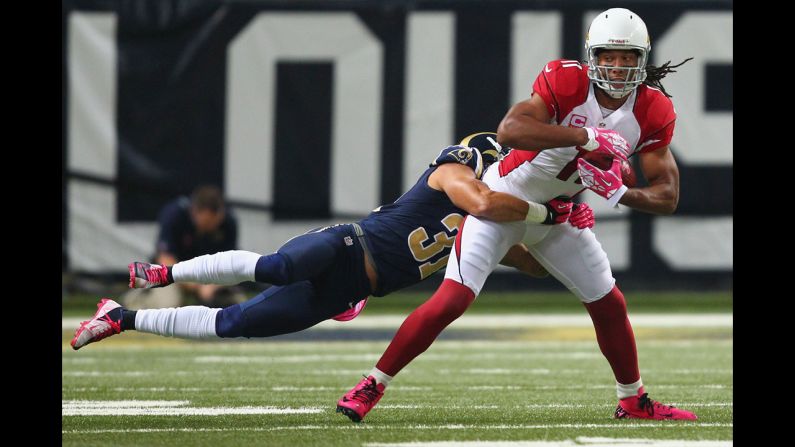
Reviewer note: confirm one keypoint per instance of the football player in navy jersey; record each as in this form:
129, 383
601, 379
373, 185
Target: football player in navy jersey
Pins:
329, 272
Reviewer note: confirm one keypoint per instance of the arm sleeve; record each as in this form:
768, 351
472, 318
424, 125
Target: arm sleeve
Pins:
563, 85
542, 88
657, 117
659, 139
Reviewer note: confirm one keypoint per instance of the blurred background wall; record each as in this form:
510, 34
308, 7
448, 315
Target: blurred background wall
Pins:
308, 113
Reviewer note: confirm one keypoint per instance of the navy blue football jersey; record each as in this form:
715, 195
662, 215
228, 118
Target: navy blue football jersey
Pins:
411, 238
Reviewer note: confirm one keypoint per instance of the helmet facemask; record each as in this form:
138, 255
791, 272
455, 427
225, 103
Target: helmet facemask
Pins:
634, 76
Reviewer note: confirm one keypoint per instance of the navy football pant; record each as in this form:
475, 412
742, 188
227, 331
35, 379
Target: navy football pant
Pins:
326, 270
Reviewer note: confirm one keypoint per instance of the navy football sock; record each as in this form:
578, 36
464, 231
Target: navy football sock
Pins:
127, 318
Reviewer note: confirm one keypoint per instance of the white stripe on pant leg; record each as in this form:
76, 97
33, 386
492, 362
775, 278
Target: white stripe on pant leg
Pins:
225, 268
194, 322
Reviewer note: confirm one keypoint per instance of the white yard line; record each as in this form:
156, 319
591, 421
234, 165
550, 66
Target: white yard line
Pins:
433, 356
107, 373
544, 371
655, 442
486, 407
393, 388
167, 408
136, 373
380, 427
123, 403
286, 358
188, 411
587, 387
581, 441
169, 403
287, 388
511, 321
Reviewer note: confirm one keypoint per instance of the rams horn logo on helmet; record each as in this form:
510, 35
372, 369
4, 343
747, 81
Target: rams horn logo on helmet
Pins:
463, 154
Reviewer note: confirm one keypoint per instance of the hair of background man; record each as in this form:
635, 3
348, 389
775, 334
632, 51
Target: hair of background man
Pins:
207, 198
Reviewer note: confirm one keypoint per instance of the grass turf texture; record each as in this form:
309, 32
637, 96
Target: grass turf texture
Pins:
506, 302
540, 384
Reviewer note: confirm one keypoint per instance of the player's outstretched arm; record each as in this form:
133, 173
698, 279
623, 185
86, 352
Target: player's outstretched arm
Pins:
662, 194
473, 196
476, 198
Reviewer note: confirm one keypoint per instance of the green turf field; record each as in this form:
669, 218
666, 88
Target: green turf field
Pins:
507, 302
530, 384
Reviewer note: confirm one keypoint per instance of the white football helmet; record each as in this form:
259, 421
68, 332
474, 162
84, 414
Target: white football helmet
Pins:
617, 29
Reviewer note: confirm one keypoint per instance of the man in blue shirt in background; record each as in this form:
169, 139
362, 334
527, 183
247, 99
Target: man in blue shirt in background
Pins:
189, 227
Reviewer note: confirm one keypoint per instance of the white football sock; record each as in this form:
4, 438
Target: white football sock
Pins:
182, 322
380, 377
225, 268
629, 390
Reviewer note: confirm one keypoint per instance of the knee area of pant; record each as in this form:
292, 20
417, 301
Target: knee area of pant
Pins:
230, 322
274, 268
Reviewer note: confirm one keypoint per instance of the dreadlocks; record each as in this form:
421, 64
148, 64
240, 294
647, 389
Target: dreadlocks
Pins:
655, 74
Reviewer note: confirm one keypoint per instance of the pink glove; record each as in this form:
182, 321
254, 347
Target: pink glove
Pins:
351, 313
558, 210
582, 216
606, 140
607, 184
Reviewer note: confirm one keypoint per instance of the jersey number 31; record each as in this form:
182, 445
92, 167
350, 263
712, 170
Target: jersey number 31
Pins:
422, 250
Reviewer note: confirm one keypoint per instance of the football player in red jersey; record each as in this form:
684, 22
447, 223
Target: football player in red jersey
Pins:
613, 103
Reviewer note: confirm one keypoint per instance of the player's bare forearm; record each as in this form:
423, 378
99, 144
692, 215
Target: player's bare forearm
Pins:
662, 194
656, 199
520, 258
477, 199
474, 196
525, 127
526, 133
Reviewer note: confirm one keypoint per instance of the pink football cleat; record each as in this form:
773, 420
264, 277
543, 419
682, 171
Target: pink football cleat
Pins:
100, 326
351, 313
145, 276
361, 399
641, 407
